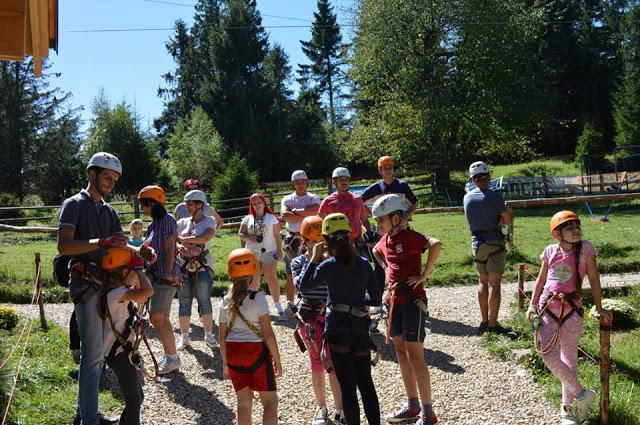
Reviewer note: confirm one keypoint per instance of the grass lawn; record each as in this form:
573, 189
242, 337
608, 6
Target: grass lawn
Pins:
616, 240
47, 388
625, 346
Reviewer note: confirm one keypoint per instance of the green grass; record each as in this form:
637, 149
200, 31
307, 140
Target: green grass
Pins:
625, 346
617, 240
47, 389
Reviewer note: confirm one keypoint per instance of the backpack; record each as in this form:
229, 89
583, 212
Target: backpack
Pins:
61, 269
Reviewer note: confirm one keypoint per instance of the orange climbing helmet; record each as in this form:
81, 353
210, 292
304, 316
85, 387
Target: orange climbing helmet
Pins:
116, 256
385, 160
153, 192
241, 263
562, 217
312, 228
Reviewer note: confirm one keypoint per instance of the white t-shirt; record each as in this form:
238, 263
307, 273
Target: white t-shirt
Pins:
181, 211
186, 227
298, 202
252, 310
262, 227
119, 314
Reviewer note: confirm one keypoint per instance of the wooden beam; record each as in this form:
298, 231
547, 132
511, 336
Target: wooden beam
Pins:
35, 46
13, 15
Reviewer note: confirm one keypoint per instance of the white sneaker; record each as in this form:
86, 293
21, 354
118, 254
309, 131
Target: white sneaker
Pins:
567, 415
211, 341
581, 406
340, 419
167, 366
279, 308
185, 341
321, 417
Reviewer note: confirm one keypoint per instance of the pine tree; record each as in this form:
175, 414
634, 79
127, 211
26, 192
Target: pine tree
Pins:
325, 51
627, 97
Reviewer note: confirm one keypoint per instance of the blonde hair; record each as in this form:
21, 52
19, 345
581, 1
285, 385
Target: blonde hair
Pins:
135, 221
236, 293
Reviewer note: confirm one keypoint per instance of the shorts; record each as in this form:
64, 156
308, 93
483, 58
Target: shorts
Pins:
160, 301
315, 357
245, 354
409, 321
486, 263
266, 257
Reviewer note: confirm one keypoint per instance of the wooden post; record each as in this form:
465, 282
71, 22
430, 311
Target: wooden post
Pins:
521, 286
43, 321
270, 196
136, 207
605, 368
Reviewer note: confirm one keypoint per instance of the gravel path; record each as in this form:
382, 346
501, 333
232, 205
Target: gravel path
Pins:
469, 386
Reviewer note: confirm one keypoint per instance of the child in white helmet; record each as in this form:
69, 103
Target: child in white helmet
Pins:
399, 252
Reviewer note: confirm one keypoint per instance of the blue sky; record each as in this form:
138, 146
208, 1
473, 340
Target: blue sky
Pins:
129, 65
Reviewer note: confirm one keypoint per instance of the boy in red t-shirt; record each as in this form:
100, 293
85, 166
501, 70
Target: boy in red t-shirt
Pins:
399, 252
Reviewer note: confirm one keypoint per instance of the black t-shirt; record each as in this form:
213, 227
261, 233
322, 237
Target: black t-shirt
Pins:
381, 188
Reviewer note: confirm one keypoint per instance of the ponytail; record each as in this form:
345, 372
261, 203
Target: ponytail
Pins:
577, 248
237, 293
341, 247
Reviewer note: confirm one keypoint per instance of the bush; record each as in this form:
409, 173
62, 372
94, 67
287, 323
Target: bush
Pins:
9, 200
591, 142
9, 318
624, 315
237, 181
21, 294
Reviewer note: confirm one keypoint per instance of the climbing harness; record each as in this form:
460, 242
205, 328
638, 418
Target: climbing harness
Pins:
136, 323
565, 298
391, 291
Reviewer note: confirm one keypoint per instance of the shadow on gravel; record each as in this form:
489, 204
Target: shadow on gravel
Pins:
442, 361
200, 400
450, 327
210, 361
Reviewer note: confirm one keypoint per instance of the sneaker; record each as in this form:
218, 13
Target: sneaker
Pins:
483, 327
581, 405
185, 341
424, 420
321, 417
75, 353
102, 420
498, 329
403, 414
284, 315
167, 366
373, 327
340, 419
211, 341
567, 415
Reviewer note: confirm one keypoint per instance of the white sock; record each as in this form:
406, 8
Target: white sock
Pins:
172, 357
278, 306
207, 334
185, 335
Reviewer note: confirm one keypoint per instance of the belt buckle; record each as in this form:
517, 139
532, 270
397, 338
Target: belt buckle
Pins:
191, 266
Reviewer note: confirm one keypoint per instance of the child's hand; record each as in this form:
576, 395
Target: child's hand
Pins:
531, 312
278, 368
414, 281
605, 313
225, 372
318, 250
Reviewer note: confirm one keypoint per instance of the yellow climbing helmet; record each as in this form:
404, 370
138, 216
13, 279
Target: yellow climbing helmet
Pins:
334, 223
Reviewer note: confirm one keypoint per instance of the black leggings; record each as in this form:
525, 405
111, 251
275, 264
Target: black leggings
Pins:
353, 371
129, 380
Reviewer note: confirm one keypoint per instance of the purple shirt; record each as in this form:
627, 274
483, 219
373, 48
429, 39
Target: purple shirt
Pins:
158, 232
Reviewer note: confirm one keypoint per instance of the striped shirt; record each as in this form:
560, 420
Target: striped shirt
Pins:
157, 233
307, 311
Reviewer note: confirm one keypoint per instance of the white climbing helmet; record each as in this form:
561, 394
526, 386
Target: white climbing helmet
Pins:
478, 167
340, 172
299, 174
195, 195
105, 160
387, 204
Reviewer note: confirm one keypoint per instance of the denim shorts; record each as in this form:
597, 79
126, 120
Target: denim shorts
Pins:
266, 257
160, 301
409, 321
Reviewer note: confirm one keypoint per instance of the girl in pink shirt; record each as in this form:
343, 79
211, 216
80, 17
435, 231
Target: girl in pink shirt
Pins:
557, 300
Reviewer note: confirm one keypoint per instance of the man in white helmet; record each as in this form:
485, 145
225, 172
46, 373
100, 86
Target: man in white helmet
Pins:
87, 226
293, 209
345, 202
486, 212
